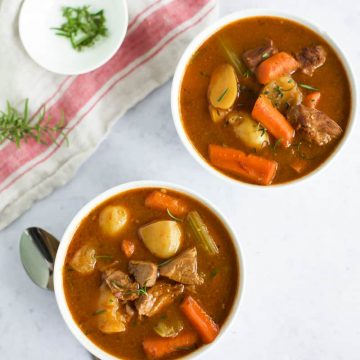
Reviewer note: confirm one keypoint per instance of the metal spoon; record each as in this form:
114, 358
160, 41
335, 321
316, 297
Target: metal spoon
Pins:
38, 251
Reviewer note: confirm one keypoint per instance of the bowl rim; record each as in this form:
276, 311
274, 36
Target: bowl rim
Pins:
211, 30
84, 70
86, 209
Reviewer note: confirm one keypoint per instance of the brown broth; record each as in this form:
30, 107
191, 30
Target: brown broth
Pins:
249, 33
82, 291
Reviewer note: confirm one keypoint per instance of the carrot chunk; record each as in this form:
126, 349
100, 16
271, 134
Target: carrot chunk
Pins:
200, 320
312, 100
161, 201
254, 168
272, 119
276, 66
127, 247
158, 347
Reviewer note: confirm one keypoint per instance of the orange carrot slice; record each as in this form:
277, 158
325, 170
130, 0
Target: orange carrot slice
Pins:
200, 320
312, 100
161, 201
158, 347
254, 168
272, 119
127, 247
276, 66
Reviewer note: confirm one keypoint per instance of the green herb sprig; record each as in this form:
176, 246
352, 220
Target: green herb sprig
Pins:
17, 127
82, 27
308, 87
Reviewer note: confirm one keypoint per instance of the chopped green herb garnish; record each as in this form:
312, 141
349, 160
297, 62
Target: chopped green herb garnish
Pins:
265, 55
214, 272
308, 87
173, 216
82, 27
222, 95
276, 145
164, 263
98, 312
247, 73
261, 129
278, 91
16, 127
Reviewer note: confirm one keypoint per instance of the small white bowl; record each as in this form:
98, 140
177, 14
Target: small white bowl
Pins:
206, 34
70, 231
55, 53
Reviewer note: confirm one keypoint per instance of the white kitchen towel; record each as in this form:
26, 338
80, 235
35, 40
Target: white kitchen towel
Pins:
158, 33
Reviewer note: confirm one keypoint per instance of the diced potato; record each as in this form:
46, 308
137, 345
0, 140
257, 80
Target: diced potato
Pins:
249, 131
109, 315
283, 93
162, 238
113, 219
84, 260
223, 87
217, 115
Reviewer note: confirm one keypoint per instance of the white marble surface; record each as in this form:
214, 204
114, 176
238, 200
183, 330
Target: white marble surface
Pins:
301, 244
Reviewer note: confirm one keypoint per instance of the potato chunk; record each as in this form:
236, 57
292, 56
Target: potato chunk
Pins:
162, 238
84, 260
283, 93
113, 219
110, 319
249, 131
217, 115
223, 87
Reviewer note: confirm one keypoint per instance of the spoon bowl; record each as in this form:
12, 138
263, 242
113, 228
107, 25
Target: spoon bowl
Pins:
38, 251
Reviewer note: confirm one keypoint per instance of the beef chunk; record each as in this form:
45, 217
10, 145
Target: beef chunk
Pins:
311, 58
183, 268
121, 285
145, 272
157, 298
253, 57
314, 124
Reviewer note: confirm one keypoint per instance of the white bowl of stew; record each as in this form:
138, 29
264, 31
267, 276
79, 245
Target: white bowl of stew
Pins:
148, 269
263, 98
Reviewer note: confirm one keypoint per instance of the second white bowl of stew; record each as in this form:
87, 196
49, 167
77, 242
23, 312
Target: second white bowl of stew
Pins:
148, 270
263, 98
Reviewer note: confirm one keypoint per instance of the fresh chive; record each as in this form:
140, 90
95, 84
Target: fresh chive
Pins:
276, 145
261, 129
173, 216
222, 95
214, 272
308, 87
164, 262
265, 55
82, 27
98, 312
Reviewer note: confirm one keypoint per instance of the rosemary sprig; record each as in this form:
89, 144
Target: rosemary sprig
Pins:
82, 27
16, 126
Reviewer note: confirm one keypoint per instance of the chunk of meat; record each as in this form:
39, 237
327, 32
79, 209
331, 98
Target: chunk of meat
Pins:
110, 317
121, 285
311, 58
145, 272
157, 298
183, 268
253, 57
314, 124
